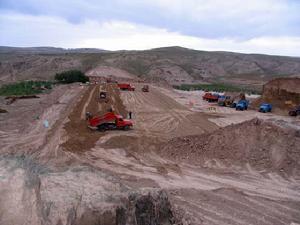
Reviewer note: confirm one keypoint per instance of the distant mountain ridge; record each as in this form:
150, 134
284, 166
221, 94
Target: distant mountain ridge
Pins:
173, 65
46, 50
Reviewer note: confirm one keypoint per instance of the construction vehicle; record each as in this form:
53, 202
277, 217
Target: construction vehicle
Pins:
265, 107
234, 99
242, 105
295, 111
126, 87
225, 100
210, 97
108, 121
103, 95
234, 103
145, 88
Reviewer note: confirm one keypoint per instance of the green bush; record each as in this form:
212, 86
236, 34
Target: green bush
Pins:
71, 76
218, 87
25, 88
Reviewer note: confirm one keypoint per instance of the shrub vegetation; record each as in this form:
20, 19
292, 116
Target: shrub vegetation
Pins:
217, 87
25, 88
71, 76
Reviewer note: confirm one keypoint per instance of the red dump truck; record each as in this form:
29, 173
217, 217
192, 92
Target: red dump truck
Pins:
210, 97
108, 121
126, 87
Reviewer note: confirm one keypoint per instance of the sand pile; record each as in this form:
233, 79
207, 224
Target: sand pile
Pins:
264, 145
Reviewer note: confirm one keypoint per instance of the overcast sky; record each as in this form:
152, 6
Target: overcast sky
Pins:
250, 26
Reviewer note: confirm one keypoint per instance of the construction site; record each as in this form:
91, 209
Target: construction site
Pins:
142, 154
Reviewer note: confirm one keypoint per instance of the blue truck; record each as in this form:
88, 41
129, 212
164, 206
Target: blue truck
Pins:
265, 107
242, 105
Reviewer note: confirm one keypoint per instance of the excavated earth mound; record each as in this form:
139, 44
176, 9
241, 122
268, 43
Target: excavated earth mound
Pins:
263, 145
283, 93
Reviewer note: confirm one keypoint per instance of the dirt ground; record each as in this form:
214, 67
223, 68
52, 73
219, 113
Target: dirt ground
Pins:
224, 116
76, 173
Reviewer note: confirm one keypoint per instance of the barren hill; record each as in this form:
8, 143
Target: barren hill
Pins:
172, 64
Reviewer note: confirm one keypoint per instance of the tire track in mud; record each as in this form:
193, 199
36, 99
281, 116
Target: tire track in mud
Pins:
79, 137
159, 115
87, 103
228, 206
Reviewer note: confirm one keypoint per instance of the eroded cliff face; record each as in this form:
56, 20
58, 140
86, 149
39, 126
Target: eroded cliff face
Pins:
282, 90
32, 194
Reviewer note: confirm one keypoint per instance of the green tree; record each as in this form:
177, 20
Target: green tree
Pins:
71, 76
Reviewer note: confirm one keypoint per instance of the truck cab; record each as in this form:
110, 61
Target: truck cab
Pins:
224, 100
295, 112
122, 123
242, 105
265, 107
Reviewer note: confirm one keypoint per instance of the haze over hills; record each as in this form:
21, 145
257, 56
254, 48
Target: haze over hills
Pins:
173, 65
46, 50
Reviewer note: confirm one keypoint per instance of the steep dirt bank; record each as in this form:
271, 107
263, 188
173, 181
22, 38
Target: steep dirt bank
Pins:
32, 194
264, 145
282, 93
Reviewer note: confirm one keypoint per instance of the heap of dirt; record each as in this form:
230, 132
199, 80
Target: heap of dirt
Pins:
262, 144
283, 93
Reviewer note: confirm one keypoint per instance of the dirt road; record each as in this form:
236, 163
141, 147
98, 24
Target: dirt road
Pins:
91, 171
223, 116
156, 114
204, 196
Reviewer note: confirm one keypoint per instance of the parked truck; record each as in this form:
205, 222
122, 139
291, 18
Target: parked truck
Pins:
145, 88
230, 99
225, 100
108, 121
126, 87
103, 95
210, 97
265, 107
242, 105
295, 111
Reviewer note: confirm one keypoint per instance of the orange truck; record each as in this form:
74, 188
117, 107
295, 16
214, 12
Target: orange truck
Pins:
109, 121
126, 87
210, 97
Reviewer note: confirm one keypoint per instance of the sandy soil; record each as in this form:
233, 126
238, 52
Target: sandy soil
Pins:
110, 72
76, 171
22, 128
223, 116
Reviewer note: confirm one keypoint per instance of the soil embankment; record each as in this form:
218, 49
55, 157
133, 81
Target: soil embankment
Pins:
263, 145
282, 93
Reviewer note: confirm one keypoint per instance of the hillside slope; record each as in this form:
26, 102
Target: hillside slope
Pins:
172, 64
